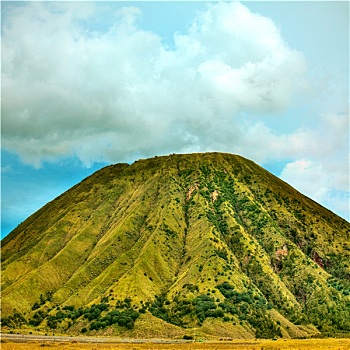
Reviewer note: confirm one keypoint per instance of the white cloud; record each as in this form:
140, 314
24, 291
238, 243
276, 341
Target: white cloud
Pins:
309, 177
313, 180
66, 86
328, 145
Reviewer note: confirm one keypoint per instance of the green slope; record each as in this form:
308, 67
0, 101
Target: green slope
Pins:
202, 240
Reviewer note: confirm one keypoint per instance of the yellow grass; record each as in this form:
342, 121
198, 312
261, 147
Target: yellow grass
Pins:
310, 344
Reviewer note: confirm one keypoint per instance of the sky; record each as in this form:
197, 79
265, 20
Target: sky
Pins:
87, 84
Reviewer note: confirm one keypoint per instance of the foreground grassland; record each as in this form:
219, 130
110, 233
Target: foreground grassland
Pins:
309, 344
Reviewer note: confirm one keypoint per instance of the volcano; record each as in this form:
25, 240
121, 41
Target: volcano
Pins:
211, 242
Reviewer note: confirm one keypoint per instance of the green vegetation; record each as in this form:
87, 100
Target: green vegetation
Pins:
192, 240
99, 316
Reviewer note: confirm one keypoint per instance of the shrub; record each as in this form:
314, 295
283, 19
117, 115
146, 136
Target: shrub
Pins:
69, 308
36, 306
187, 337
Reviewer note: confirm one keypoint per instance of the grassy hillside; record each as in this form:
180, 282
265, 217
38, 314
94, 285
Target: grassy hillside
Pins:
208, 241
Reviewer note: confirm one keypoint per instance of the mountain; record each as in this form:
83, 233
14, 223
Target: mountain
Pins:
208, 243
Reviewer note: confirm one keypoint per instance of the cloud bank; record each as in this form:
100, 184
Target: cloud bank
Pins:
69, 90
119, 93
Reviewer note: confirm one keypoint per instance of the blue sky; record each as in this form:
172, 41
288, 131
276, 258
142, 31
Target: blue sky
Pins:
88, 84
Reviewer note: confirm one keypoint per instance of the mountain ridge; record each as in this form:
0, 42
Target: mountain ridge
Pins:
188, 238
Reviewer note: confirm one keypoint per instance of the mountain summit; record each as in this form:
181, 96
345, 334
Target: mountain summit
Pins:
211, 242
